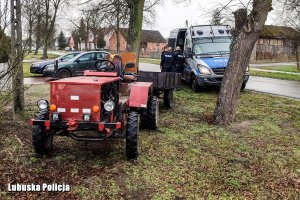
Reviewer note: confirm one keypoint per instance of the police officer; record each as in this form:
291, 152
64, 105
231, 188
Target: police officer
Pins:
178, 60
166, 60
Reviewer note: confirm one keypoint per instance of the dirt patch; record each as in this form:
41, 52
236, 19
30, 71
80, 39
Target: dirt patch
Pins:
244, 126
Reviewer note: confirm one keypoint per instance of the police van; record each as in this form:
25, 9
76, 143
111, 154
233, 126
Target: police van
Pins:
206, 49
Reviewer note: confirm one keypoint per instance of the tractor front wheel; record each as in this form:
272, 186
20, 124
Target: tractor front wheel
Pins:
132, 135
42, 141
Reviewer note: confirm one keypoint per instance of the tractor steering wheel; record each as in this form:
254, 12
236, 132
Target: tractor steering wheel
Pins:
105, 66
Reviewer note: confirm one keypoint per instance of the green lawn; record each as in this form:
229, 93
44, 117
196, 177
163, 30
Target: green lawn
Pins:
39, 56
151, 61
26, 70
275, 75
282, 68
257, 157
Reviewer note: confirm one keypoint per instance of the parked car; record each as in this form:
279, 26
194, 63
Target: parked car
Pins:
77, 65
206, 49
38, 67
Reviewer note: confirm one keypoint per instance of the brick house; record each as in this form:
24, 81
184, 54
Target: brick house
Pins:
152, 42
275, 43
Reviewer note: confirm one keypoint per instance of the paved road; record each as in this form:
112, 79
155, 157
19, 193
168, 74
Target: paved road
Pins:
274, 86
259, 84
273, 64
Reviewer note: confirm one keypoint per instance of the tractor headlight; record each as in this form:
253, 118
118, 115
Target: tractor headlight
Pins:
204, 70
109, 106
43, 104
56, 116
86, 117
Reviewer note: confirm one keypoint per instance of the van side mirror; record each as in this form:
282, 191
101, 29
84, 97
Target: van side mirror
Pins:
78, 61
130, 65
188, 53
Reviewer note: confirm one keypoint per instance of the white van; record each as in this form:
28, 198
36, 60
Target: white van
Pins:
206, 49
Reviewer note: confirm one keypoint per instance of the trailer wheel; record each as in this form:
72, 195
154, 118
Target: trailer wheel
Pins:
194, 84
132, 135
150, 116
41, 140
168, 98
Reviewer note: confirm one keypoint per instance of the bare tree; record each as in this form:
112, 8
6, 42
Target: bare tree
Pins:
17, 59
245, 34
51, 9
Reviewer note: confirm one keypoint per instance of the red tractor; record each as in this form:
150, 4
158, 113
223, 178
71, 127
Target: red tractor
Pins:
105, 101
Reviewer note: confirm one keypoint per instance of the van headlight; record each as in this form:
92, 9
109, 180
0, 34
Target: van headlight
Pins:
204, 70
109, 106
43, 104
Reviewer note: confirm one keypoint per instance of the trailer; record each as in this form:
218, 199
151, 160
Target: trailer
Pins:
163, 83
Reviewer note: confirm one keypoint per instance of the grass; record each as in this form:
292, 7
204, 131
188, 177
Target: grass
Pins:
39, 56
151, 61
282, 68
257, 157
26, 70
275, 75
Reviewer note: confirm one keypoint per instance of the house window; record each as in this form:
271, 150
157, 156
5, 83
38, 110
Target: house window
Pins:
280, 42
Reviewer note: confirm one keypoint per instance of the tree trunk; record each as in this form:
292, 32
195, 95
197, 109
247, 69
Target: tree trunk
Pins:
135, 26
297, 58
247, 28
17, 60
118, 34
45, 40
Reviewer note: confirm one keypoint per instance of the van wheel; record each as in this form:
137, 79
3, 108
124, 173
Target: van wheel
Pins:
243, 87
194, 84
64, 73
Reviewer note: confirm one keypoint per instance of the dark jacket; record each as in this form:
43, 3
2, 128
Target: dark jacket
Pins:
178, 59
166, 60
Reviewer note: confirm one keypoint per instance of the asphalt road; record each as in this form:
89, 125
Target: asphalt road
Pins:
266, 85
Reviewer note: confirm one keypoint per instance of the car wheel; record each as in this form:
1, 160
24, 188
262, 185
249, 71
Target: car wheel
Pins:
132, 135
150, 116
194, 84
64, 73
168, 98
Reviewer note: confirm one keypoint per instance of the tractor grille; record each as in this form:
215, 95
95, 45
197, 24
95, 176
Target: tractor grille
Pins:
219, 71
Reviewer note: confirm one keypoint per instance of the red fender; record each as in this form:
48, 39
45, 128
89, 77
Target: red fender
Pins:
139, 94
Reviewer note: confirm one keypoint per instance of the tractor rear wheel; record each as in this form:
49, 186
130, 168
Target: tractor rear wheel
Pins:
132, 135
150, 116
168, 98
42, 141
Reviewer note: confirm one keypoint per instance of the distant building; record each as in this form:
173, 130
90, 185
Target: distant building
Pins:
152, 42
275, 43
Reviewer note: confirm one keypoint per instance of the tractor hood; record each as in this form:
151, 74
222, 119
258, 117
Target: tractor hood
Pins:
86, 80
217, 62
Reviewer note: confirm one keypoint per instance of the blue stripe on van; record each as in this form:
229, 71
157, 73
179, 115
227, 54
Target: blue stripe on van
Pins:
216, 62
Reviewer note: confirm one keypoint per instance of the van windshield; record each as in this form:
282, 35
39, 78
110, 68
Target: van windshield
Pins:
211, 46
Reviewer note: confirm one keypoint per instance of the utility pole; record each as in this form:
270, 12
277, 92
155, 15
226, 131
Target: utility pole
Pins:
16, 61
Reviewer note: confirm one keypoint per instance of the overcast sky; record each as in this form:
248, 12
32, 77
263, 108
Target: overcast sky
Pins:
169, 15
